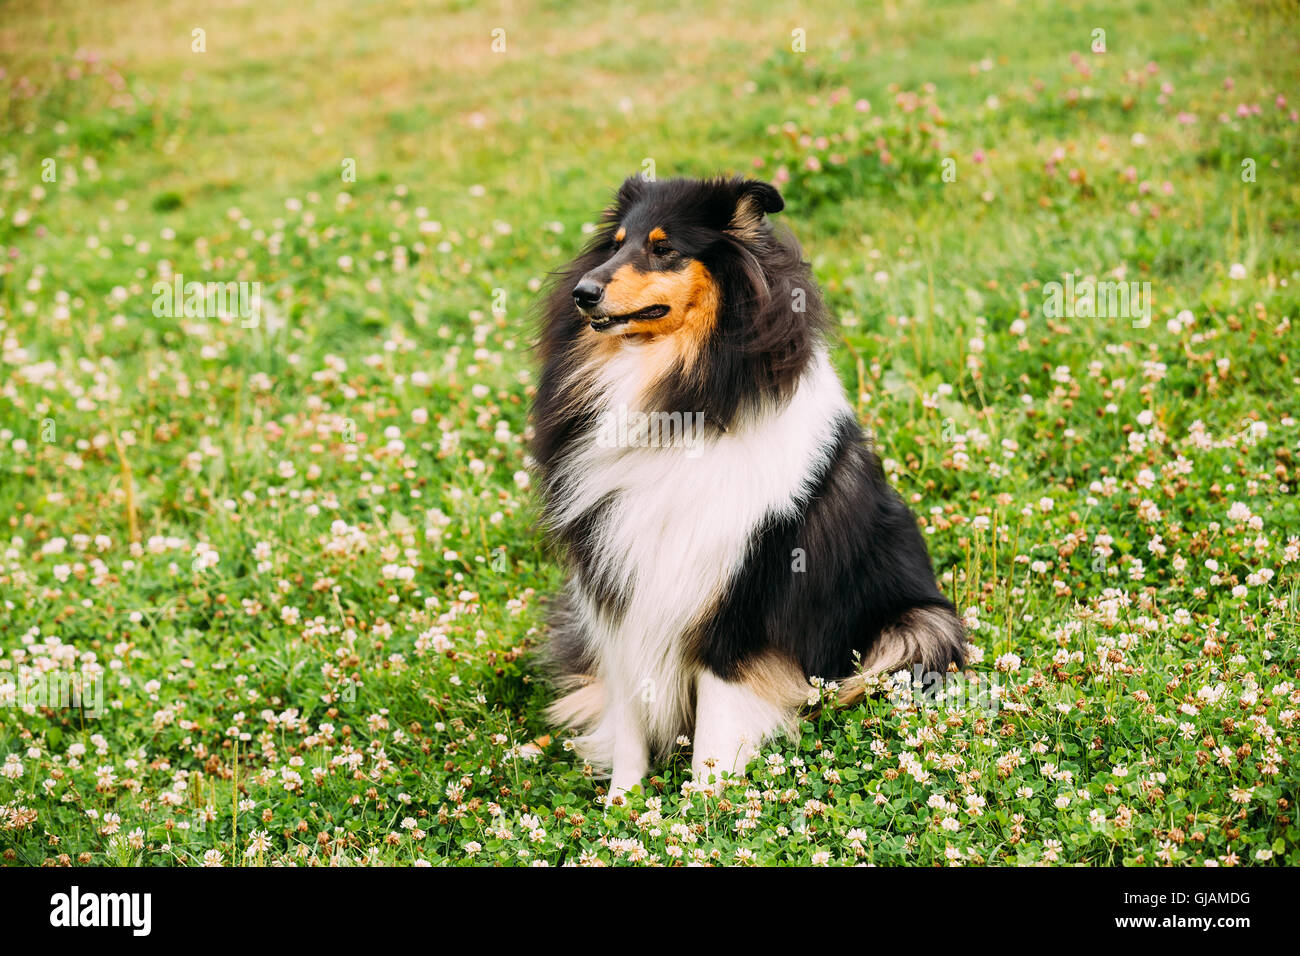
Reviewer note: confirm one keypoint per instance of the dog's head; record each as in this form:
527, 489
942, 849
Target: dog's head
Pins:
688, 279
656, 253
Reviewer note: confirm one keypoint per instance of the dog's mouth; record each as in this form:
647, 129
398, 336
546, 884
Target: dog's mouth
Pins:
603, 323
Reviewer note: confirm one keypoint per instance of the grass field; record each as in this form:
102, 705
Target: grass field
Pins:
291, 550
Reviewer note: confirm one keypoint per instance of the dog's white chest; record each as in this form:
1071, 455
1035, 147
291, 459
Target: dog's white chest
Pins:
678, 522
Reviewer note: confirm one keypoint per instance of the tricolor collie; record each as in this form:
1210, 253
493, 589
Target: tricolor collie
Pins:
729, 533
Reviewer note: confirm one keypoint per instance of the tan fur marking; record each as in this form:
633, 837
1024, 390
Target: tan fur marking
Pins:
778, 680
747, 220
691, 294
620, 235
657, 235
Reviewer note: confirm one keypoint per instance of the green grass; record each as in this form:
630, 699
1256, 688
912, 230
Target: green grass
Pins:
1111, 503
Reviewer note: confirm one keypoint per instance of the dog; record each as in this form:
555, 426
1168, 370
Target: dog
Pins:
728, 532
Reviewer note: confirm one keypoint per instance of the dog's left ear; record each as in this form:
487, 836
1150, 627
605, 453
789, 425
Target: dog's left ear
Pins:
753, 201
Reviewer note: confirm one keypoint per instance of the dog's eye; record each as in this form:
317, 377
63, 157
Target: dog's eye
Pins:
662, 249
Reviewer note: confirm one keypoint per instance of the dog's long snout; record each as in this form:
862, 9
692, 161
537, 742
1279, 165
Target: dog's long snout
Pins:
587, 293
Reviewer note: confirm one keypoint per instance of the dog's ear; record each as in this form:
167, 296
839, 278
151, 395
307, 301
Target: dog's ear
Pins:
765, 195
632, 189
754, 200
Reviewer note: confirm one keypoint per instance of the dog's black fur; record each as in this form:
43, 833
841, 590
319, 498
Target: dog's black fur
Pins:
867, 573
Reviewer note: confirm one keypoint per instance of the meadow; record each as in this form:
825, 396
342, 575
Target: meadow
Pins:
271, 582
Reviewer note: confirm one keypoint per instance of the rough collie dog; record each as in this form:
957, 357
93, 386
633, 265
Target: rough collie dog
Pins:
728, 532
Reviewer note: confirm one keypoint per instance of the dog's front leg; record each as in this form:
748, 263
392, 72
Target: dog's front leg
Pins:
733, 718
631, 758
722, 744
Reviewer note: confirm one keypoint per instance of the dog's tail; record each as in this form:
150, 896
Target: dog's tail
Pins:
581, 707
931, 636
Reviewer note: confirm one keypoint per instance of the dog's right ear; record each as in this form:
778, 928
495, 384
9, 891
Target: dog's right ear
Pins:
764, 195
754, 200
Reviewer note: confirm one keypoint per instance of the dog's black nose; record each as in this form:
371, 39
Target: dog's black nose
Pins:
587, 293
